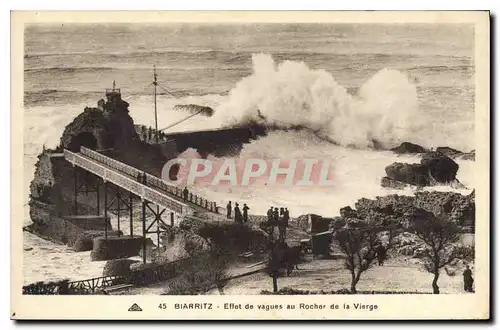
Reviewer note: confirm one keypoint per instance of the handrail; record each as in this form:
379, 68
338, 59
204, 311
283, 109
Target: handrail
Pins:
93, 285
125, 182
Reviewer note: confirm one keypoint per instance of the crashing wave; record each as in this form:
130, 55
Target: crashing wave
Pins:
382, 113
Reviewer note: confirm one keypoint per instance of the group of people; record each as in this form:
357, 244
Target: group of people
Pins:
280, 218
239, 217
148, 134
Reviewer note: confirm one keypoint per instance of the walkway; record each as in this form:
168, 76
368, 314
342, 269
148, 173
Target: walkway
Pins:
155, 190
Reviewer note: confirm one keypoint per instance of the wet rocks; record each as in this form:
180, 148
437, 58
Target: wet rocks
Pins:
434, 168
387, 182
460, 208
441, 168
409, 148
456, 154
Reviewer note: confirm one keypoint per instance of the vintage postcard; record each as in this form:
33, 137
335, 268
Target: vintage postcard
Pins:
250, 165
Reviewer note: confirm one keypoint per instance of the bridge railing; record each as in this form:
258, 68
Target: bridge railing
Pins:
151, 180
126, 182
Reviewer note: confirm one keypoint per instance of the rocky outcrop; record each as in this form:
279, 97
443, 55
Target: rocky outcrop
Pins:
412, 148
409, 148
434, 168
441, 168
52, 191
456, 154
460, 208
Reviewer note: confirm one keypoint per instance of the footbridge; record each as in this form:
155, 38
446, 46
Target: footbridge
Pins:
157, 197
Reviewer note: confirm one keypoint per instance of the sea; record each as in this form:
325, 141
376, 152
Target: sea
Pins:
349, 83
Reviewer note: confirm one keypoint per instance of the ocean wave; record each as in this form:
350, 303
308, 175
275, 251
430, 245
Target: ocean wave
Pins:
290, 94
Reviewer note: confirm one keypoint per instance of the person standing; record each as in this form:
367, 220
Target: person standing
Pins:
237, 213
270, 215
245, 212
468, 280
286, 217
229, 210
185, 193
381, 253
276, 216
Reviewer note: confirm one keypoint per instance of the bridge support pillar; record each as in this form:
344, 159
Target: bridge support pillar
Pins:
105, 209
144, 231
76, 189
82, 185
118, 197
130, 195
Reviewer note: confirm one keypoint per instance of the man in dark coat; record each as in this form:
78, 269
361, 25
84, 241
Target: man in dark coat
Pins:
468, 280
237, 213
276, 216
245, 212
270, 215
270, 222
185, 193
229, 210
381, 253
286, 217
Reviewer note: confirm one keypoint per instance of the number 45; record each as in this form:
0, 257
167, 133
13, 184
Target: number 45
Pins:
162, 306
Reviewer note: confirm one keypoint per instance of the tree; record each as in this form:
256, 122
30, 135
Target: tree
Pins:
438, 233
358, 240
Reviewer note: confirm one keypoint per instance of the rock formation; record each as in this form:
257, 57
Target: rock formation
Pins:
109, 129
412, 148
409, 148
460, 208
434, 168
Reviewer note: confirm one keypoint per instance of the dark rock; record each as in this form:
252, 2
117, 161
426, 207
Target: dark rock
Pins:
409, 148
442, 168
348, 212
404, 209
387, 182
433, 168
456, 154
449, 152
415, 174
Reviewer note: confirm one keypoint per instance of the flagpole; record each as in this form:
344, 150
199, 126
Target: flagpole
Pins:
156, 112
